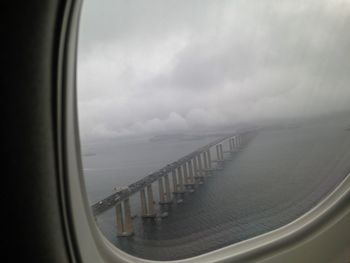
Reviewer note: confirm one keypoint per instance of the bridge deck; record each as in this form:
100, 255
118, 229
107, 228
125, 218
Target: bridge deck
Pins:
133, 188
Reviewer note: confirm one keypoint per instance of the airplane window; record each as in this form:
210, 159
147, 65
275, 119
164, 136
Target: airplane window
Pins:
206, 123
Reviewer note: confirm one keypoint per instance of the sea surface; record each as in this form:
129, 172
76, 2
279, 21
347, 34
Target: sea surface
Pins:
281, 173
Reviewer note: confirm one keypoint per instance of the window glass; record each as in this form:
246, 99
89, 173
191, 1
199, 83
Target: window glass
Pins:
205, 123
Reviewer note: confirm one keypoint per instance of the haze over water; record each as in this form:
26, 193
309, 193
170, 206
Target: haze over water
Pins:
281, 173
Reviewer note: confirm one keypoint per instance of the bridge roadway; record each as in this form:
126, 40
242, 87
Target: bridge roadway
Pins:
133, 188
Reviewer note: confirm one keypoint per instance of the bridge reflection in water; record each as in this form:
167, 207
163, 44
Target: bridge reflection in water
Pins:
187, 174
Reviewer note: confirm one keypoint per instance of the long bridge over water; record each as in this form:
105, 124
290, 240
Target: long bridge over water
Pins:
187, 173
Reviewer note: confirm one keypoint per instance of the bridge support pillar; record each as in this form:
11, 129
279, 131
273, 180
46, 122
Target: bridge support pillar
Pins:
174, 179
184, 168
218, 156
209, 158
119, 219
147, 203
195, 167
180, 178
190, 171
151, 211
199, 173
205, 160
199, 159
231, 145
190, 184
161, 190
167, 189
128, 224
236, 141
195, 170
164, 196
221, 152
206, 167
143, 202
123, 219
178, 184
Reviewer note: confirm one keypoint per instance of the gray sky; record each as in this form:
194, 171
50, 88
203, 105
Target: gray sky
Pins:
161, 66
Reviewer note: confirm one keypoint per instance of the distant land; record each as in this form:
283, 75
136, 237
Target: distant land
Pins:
181, 137
89, 154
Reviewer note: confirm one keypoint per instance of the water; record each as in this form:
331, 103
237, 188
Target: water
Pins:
277, 177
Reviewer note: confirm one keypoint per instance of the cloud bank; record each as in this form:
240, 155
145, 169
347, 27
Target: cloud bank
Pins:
148, 67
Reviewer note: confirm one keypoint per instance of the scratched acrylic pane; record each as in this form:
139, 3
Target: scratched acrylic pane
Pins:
205, 123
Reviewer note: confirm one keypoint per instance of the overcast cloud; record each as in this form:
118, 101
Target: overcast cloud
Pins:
150, 67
